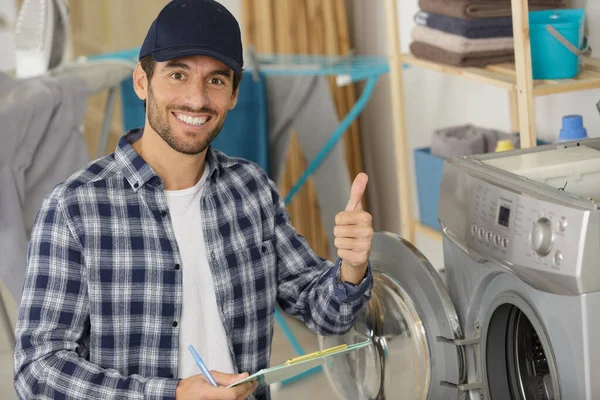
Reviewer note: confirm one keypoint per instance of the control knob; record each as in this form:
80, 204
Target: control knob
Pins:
541, 236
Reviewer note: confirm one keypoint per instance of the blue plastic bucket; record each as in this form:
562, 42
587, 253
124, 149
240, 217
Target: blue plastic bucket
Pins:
557, 42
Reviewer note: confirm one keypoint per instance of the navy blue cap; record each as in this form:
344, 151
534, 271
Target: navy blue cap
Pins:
195, 27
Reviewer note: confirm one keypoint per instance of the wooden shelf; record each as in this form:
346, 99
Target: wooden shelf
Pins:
516, 78
504, 76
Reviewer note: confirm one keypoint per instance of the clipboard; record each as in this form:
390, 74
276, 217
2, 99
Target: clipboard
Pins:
298, 365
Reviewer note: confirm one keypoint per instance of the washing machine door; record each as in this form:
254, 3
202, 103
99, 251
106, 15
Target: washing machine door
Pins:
412, 324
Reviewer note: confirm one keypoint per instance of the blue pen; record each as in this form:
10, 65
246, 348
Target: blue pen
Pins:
202, 366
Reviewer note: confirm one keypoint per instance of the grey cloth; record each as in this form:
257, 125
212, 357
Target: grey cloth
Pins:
304, 103
97, 74
41, 144
469, 28
465, 140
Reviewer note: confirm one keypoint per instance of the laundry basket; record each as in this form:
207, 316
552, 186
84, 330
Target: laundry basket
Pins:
557, 43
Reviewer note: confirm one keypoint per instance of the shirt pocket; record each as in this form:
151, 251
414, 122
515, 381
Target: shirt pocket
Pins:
257, 289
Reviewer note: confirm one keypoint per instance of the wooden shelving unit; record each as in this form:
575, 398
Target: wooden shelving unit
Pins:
515, 78
504, 76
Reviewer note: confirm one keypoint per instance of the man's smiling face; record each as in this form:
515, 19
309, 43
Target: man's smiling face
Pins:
187, 101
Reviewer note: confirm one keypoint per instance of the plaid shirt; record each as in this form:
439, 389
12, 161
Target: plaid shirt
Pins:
103, 292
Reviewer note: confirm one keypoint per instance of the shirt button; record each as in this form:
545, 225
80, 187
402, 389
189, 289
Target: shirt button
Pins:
174, 324
136, 185
177, 266
163, 213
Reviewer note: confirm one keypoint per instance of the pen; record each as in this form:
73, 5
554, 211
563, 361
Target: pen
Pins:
202, 366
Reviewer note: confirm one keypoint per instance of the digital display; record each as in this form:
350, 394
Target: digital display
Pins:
503, 215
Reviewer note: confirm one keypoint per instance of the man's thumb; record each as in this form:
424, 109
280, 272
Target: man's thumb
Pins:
356, 192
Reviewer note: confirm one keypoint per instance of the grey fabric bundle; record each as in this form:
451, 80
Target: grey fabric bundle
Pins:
465, 140
40, 145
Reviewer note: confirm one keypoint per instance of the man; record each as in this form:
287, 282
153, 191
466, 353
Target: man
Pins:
167, 242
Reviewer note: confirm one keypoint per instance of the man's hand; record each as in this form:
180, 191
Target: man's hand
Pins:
354, 233
197, 387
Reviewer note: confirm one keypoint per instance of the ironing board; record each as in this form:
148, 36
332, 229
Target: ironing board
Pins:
346, 69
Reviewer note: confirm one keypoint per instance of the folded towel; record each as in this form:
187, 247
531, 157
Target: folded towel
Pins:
478, 59
470, 28
482, 8
459, 44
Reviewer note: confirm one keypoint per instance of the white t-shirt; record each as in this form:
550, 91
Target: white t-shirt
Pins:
200, 323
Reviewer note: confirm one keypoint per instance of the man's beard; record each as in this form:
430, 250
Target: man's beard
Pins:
161, 126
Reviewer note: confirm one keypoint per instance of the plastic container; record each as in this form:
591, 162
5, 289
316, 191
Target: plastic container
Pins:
428, 171
550, 58
504, 145
572, 129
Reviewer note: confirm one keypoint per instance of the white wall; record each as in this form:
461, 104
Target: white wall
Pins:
435, 100
8, 16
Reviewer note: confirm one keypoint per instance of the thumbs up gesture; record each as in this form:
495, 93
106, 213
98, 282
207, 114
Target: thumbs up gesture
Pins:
354, 233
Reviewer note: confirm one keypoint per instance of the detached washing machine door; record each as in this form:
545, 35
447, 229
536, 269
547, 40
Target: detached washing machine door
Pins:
412, 324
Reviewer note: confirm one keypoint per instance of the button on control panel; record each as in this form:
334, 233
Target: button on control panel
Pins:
523, 231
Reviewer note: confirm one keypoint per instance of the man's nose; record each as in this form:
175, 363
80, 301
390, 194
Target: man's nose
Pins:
199, 92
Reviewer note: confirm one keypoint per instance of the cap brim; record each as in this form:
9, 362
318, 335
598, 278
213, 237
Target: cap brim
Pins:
174, 52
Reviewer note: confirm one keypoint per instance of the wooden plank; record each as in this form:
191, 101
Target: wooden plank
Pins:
399, 121
588, 78
263, 13
302, 26
248, 24
566, 87
475, 74
331, 48
427, 231
283, 41
352, 140
336, 43
330, 27
520, 17
316, 32
504, 68
304, 208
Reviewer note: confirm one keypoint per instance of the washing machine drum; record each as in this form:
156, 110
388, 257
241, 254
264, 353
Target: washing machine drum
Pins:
412, 325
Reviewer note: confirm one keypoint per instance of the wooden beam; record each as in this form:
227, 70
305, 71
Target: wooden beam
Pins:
486, 76
520, 17
399, 121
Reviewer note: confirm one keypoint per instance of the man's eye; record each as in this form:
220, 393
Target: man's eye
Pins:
177, 76
216, 81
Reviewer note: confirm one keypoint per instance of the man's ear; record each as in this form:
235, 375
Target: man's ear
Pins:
140, 82
234, 99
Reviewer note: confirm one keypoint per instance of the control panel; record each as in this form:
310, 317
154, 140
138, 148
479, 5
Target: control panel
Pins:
524, 232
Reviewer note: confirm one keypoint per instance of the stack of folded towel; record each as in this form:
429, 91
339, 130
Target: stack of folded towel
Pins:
468, 33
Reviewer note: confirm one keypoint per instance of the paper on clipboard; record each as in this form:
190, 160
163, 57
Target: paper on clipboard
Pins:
298, 365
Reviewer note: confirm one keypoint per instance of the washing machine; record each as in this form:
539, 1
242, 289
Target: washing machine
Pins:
516, 314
